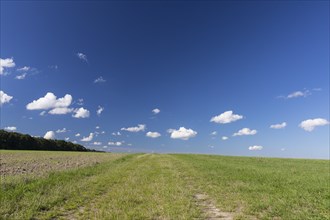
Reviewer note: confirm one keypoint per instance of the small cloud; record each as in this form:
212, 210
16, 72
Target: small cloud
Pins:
298, 94
80, 102
118, 143
55, 67
99, 80
4, 98
153, 134
99, 110
89, 138
6, 63
317, 89
283, 149
60, 111
214, 133
63, 130
226, 117
22, 76
103, 132
245, 131
97, 143
43, 113
278, 126
140, 127
182, 133
116, 133
24, 69
67, 138
82, 57
81, 113
49, 135
156, 111
77, 135
97, 127
10, 128
255, 147
224, 138
310, 124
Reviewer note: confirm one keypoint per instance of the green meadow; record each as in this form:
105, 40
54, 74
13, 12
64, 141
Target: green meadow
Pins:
162, 186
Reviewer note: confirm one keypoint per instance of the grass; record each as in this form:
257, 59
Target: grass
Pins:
154, 186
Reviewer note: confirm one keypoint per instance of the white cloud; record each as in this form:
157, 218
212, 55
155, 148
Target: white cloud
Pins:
60, 111
6, 63
80, 102
67, 138
153, 134
214, 133
278, 126
43, 113
77, 135
155, 111
99, 110
310, 124
226, 117
89, 138
224, 138
97, 143
116, 133
22, 76
97, 127
140, 127
245, 131
182, 133
297, 94
255, 147
99, 80
82, 57
4, 98
50, 101
63, 130
50, 135
24, 69
11, 128
118, 143
81, 113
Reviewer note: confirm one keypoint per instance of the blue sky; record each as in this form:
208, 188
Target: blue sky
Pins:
233, 69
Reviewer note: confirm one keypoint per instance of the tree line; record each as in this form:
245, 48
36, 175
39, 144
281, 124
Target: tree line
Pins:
18, 141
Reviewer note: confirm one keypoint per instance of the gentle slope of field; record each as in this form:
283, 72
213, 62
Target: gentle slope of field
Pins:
153, 186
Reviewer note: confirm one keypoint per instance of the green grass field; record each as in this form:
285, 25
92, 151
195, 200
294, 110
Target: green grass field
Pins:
162, 186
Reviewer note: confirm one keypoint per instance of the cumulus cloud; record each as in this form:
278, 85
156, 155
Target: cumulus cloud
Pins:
118, 143
153, 134
99, 80
4, 98
224, 138
6, 63
11, 128
49, 135
50, 101
310, 124
279, 126
22, 76
81, 113
24, 69
140, 127
89, 138
99, 110
77, 135
256, 147
245, 131
155, 111
182, 133
63, 130
82, 57
226, 117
